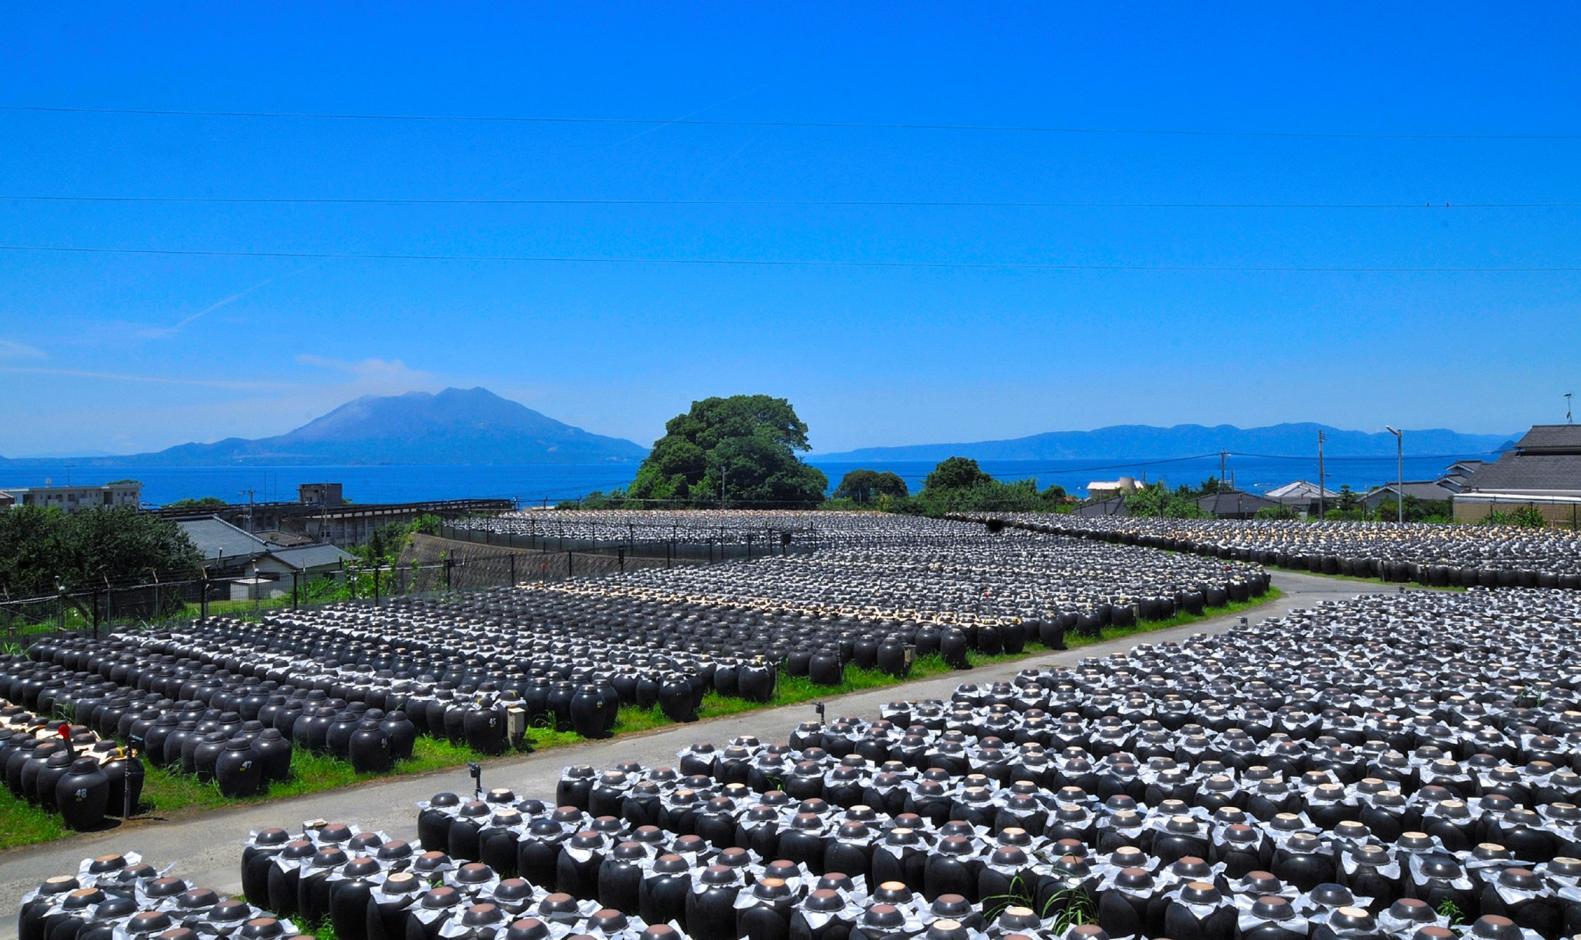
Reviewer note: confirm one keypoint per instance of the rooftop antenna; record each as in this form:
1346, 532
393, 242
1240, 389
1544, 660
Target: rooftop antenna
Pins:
1567, 409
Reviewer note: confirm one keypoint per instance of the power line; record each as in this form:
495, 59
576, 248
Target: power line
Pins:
1331, 458
769, 203
793, 124
803, 262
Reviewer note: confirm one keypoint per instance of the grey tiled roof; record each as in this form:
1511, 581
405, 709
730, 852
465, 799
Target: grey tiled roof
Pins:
1429, 490
1234, 504
1521, 473
1552, 437
216, 538
309, 557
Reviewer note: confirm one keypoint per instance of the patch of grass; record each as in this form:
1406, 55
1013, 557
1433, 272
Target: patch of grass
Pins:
166, 792
796, 690
21, 823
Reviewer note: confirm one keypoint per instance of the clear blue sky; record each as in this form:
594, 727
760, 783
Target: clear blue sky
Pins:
1150, 313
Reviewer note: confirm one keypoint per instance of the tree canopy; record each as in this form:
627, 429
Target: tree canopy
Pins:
954, 473
202, 502
42, 549
958, 484
864, 486
739, 450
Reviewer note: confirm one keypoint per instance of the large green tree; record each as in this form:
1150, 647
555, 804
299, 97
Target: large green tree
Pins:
41, 549
956, 473
739, 450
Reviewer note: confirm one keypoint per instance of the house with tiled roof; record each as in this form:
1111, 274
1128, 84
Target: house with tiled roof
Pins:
1542, 471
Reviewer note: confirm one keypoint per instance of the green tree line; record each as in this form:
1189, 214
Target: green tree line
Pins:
44, 549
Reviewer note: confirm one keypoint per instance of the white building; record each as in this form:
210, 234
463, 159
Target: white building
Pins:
72, 498
257, 567
1103, 489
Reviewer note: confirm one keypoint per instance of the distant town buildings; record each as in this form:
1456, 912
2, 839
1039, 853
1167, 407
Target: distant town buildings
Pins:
1103, 489
263, 568
1234, 504
127, 493
1543, 471
327, 495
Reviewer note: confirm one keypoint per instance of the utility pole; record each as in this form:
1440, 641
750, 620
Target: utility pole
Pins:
1223, 455
1399, 464
1322, 504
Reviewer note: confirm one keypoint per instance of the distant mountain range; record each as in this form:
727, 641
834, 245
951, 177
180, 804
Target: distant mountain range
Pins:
455, 426
1141, 441
475, 426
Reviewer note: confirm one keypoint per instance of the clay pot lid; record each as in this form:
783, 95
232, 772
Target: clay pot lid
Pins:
58, 884
229, 910
194, 898
1273, 907
558, 903
261, 927
166, 887
479, 915
82, 897
115, 862
1495, 927
1190, 868
1522, 878
1134, 878
1329, 894
884, 916
528, 928
330, 857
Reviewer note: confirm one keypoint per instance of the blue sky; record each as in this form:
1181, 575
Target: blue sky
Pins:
1158, 304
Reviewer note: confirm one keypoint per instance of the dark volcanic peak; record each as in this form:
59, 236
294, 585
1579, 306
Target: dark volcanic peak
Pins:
455, 426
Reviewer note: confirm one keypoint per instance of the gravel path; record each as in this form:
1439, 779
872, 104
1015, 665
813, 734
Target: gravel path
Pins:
206, 847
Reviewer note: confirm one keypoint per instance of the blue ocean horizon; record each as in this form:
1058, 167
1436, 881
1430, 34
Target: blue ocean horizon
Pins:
547, 484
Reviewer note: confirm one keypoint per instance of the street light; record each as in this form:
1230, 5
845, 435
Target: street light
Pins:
1399, 468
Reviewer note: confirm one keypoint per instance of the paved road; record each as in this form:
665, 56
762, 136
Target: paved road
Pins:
206, 847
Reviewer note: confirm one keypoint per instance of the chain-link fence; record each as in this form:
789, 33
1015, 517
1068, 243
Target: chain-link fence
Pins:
154, 602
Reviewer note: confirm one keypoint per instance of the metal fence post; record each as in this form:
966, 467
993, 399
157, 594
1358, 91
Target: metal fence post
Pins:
621, 554
513, 569
203, 599
296, 598
375, 585
94, 599
447, 572
569, 556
